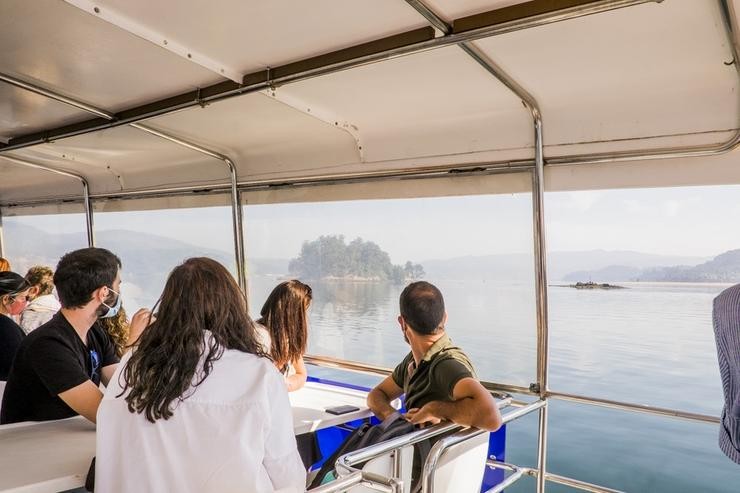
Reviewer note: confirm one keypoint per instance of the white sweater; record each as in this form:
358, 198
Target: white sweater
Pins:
38, 312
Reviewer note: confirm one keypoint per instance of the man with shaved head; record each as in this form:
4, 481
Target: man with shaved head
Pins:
437, 377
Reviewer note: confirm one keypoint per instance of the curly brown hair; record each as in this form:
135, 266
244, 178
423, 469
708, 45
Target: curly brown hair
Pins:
117, 328
41, 276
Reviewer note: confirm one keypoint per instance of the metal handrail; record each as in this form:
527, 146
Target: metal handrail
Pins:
517, 473
430, 466
361, 478
345, 464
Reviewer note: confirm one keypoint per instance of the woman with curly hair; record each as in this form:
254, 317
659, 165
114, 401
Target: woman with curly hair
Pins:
117, 327
196, 405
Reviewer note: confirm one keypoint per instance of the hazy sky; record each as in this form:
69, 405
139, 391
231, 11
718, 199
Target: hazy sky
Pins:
701, 221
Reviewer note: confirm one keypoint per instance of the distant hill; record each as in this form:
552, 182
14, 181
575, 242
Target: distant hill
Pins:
559, 265
722, 268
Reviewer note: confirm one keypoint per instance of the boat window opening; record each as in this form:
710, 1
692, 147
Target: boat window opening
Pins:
359, 254
151, 243
632, 276
41, 239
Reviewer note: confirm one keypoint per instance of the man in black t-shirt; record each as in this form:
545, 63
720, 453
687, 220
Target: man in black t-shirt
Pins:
59, 367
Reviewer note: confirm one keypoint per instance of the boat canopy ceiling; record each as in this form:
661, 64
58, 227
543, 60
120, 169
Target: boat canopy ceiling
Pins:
264, 84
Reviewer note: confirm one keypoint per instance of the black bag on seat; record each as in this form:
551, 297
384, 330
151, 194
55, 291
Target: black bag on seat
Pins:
367, 435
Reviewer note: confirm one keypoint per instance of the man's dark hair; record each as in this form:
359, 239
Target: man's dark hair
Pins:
422, 307
81, 272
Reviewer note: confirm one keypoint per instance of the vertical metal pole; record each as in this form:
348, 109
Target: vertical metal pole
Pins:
87, 202
88, 213
236, 210
2, 241
540, 263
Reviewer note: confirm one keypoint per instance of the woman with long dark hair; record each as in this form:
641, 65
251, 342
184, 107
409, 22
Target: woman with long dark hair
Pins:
13, 299
197, 405
284, 329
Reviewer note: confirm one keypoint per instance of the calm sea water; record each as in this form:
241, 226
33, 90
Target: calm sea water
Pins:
649, 344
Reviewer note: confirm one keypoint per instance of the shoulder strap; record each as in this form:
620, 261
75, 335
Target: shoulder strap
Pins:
349, 444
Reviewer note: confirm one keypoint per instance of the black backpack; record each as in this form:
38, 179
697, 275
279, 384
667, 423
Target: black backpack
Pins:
367, 435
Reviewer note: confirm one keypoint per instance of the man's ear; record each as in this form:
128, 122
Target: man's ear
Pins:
444, 320
34, 291
401, 321
101, 294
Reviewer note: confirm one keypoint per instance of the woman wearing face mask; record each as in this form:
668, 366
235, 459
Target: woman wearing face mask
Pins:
13, 298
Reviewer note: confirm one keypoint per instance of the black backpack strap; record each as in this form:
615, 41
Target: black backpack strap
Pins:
349, 444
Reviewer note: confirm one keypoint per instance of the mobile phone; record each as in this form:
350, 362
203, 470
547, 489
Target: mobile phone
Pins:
341, 409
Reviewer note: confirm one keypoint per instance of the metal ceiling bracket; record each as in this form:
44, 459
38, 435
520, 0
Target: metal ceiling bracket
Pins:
142, 31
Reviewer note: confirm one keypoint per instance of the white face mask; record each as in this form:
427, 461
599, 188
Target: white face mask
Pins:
112, 310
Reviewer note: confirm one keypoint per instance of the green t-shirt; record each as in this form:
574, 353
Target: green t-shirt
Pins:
438, 372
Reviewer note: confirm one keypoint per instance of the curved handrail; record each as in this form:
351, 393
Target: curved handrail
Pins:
430, 466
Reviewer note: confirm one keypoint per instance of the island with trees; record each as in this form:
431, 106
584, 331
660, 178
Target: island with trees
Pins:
331, 257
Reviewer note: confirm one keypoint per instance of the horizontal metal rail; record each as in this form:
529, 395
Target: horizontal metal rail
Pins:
555, 478
361, 478
495, 387
517, 473
428, 172
581, 485
640, 408
358, 367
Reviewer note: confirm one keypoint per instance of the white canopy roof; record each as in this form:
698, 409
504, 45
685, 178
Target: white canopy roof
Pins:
647, 76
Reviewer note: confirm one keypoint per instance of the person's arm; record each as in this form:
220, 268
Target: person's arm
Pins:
84, 399
107, 373
140, 321
297, 380
472, 405
379, 399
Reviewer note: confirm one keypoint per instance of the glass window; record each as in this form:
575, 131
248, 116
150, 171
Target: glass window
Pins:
41, 240
665, 254
359, 254
151, 243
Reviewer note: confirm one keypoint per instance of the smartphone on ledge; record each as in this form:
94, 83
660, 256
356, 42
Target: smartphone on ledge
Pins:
341, 409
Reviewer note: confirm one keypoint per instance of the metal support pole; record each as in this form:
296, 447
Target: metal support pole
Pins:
236, 209
87, 203
2, 242
538, 194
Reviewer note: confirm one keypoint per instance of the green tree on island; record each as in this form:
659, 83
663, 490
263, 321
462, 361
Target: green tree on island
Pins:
331, 257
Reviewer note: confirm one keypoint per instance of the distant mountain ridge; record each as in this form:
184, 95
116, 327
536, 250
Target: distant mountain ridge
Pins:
722, 268
144, 255
559, 264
